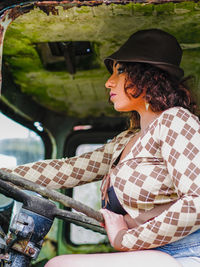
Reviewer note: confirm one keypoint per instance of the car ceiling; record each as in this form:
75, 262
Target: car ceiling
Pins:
54, 52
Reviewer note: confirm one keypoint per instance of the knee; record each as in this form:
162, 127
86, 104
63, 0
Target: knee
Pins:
60, 261
54, 262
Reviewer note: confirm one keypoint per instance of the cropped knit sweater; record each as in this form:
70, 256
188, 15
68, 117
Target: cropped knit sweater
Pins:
161, 170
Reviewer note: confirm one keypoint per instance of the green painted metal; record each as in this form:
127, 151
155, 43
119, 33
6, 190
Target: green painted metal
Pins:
59, 100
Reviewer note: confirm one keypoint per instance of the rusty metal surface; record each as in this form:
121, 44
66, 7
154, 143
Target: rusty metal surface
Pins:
5, 20
20, 7
11, 4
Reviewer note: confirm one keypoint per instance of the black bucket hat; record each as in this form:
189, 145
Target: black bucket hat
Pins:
152, 46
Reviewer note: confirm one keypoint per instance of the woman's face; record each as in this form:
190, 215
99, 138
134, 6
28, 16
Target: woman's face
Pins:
118, 97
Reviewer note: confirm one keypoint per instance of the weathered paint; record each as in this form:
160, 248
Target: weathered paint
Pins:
5, 20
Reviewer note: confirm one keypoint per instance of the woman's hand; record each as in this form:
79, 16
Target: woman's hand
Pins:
113, 224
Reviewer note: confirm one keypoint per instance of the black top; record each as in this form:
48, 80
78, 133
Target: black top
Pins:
113, 204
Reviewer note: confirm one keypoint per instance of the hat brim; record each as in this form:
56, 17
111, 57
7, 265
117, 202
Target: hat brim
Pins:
173, 70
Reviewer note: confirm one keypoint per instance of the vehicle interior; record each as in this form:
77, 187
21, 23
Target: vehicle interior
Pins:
53, 83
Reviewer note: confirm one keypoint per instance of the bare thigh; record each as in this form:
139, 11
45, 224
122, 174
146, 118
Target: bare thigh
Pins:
120, 259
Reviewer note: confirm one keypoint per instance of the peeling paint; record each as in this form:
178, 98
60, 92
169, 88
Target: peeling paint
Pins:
4, 23
16, 12
50, 6
1, 34
49, 9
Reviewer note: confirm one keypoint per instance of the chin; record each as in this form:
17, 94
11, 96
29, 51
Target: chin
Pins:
118, 109
122, 109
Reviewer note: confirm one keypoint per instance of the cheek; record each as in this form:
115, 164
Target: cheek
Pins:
126, 96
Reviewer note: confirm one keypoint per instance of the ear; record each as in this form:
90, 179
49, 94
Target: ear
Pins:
130, 91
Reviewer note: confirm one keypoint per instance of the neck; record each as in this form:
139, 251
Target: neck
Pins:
147, 117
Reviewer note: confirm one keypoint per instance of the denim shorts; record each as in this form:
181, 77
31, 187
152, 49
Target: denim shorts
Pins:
185, 248
189, 261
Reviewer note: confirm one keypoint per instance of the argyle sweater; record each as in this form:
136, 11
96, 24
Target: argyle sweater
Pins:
162, 167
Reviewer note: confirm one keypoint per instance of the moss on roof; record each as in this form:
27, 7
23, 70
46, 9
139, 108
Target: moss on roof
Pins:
109, 26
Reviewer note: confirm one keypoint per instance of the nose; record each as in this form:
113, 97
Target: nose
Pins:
110, 82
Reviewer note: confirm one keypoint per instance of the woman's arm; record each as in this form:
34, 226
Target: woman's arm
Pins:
69, 172
114, 223
180, 147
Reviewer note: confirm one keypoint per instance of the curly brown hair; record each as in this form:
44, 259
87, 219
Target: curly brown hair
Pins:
162, 90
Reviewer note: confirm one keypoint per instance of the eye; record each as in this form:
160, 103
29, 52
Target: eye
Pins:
120, 70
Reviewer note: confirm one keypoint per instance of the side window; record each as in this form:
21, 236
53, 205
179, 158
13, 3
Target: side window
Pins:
88, 194
18, 144
83, 141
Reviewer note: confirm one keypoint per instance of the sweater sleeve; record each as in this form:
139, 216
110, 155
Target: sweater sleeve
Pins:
69, 172
179, 135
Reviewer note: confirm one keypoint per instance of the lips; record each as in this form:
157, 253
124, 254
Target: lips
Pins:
112, 95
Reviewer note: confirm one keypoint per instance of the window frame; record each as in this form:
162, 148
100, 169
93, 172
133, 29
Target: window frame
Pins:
92, 136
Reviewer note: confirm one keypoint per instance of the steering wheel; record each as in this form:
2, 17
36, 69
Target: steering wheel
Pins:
10, 190
28, 228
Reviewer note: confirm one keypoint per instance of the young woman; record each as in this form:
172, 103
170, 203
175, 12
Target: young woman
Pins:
151, 173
